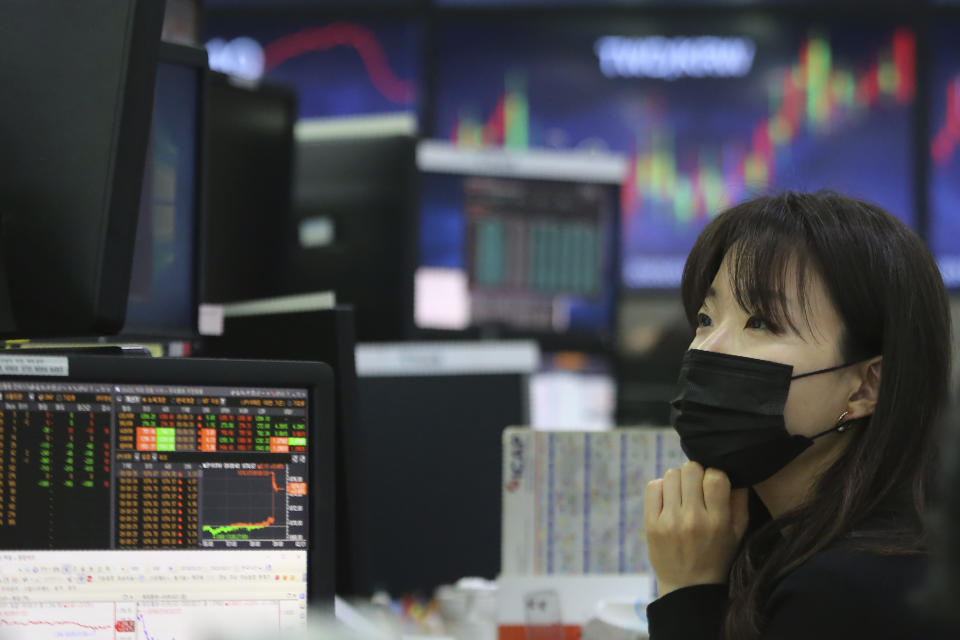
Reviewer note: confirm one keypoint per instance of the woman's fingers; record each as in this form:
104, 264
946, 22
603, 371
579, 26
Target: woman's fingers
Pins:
671, 491
716, 493
691, 485
694, 526
652, 503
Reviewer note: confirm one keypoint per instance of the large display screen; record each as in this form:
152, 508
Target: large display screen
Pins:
707, 114
523, 241
339, 68
944, 235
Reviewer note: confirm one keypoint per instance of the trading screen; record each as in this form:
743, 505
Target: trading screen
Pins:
520, 241
532, 255
182, 507
791, 106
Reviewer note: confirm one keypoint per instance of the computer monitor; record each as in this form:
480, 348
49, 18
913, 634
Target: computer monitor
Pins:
429, 426
708, 112
164, 279
325, 335
353, 221
163, 497
573, 391
248, 185
518, 243
74, 144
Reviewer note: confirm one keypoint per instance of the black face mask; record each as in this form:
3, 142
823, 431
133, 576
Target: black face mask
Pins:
729, 414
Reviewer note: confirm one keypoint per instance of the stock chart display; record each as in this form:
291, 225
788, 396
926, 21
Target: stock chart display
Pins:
535, 256
339, 68
706, 118
169, 467
944, 237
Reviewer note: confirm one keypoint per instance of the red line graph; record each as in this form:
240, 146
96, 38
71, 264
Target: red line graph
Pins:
58, 623
947, 139
343, 34
258, 473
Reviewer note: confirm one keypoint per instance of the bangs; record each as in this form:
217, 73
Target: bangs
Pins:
768, 251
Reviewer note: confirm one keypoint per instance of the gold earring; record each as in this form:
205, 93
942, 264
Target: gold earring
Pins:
840, 426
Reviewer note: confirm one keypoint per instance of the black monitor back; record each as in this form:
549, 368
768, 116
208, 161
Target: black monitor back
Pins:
74, 124
363, 189
432, 465
249, 176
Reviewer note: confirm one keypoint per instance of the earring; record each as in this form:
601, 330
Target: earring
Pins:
841, 427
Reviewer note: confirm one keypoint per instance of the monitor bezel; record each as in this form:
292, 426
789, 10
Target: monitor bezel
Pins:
601, 341
316, 377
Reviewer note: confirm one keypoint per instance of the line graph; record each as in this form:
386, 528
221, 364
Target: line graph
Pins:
235, 501
344, 34
814, 96
39, 621
143, 628
208, 619
56, 623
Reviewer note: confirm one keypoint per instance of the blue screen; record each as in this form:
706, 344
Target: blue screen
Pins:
162, 279
534, 256
705, 118
945, 154
339, 68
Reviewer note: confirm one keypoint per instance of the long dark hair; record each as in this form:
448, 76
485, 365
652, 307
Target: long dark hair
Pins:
889, 293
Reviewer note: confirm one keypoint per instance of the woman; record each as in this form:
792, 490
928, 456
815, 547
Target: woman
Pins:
820, 364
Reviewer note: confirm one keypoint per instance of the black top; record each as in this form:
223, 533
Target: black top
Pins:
840, 592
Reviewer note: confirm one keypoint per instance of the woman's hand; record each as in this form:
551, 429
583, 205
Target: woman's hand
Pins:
694, 523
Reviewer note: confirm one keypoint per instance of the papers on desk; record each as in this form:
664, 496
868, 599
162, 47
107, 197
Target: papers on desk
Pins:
573, 501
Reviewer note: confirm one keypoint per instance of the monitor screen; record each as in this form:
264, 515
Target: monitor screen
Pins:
163, 277
354, 209
159, 504
791, 105
339, 68
944, 232
573, 391
523, 243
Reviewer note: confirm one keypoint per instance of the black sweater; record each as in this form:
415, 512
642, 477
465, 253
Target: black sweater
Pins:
840, 592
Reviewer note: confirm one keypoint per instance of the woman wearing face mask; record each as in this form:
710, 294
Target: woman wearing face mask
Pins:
820, 364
